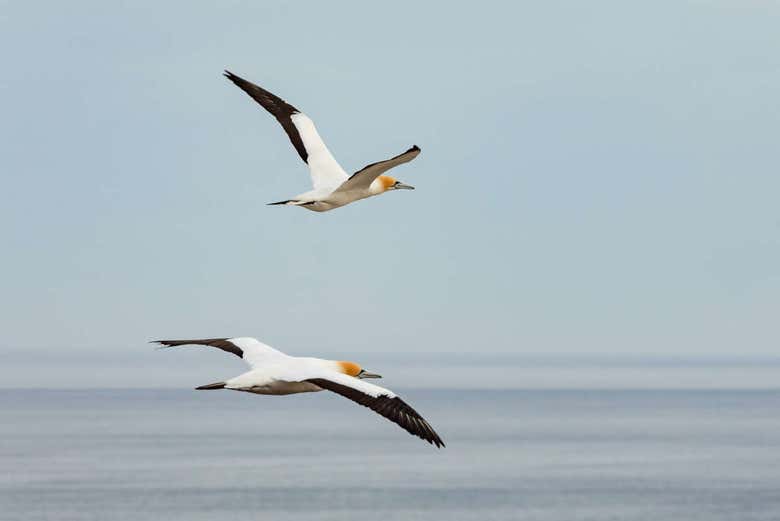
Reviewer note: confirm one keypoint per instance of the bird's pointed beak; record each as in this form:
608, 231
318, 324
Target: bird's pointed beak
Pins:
365, 374
401, 186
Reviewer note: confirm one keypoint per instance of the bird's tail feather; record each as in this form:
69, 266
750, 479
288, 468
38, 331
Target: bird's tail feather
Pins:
293, 202
208, 387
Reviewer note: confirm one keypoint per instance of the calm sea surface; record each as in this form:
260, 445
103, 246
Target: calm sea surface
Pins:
511, 455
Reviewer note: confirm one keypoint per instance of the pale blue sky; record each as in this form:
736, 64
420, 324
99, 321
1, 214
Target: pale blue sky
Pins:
596, 178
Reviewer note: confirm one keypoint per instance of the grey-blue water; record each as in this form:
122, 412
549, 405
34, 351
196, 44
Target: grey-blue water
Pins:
514, 455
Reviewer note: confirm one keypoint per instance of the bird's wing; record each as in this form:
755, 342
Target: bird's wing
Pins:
325, 170
363, 178
379, 400
251, 350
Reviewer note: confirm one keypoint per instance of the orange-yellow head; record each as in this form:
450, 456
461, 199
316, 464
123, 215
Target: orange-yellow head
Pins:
353, 369
386, 183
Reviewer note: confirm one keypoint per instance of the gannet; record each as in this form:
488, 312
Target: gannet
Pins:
332, 186
274, 372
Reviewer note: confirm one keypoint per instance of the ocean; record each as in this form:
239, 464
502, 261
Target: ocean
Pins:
511, 455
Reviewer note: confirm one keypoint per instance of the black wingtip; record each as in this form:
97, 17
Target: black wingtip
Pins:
159, 344
232, 77
415, 148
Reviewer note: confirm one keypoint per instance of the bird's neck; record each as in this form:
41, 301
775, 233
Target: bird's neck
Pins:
381, 184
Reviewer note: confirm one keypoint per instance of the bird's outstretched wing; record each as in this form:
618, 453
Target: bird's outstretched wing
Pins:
325, 170
363, 178
380, 400
251, 350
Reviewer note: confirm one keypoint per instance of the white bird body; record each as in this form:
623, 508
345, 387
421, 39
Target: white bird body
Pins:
283, 376
323, 200
275, 373
265, 381
332, 187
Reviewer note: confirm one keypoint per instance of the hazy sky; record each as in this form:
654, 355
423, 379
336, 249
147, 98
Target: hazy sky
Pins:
595, 177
